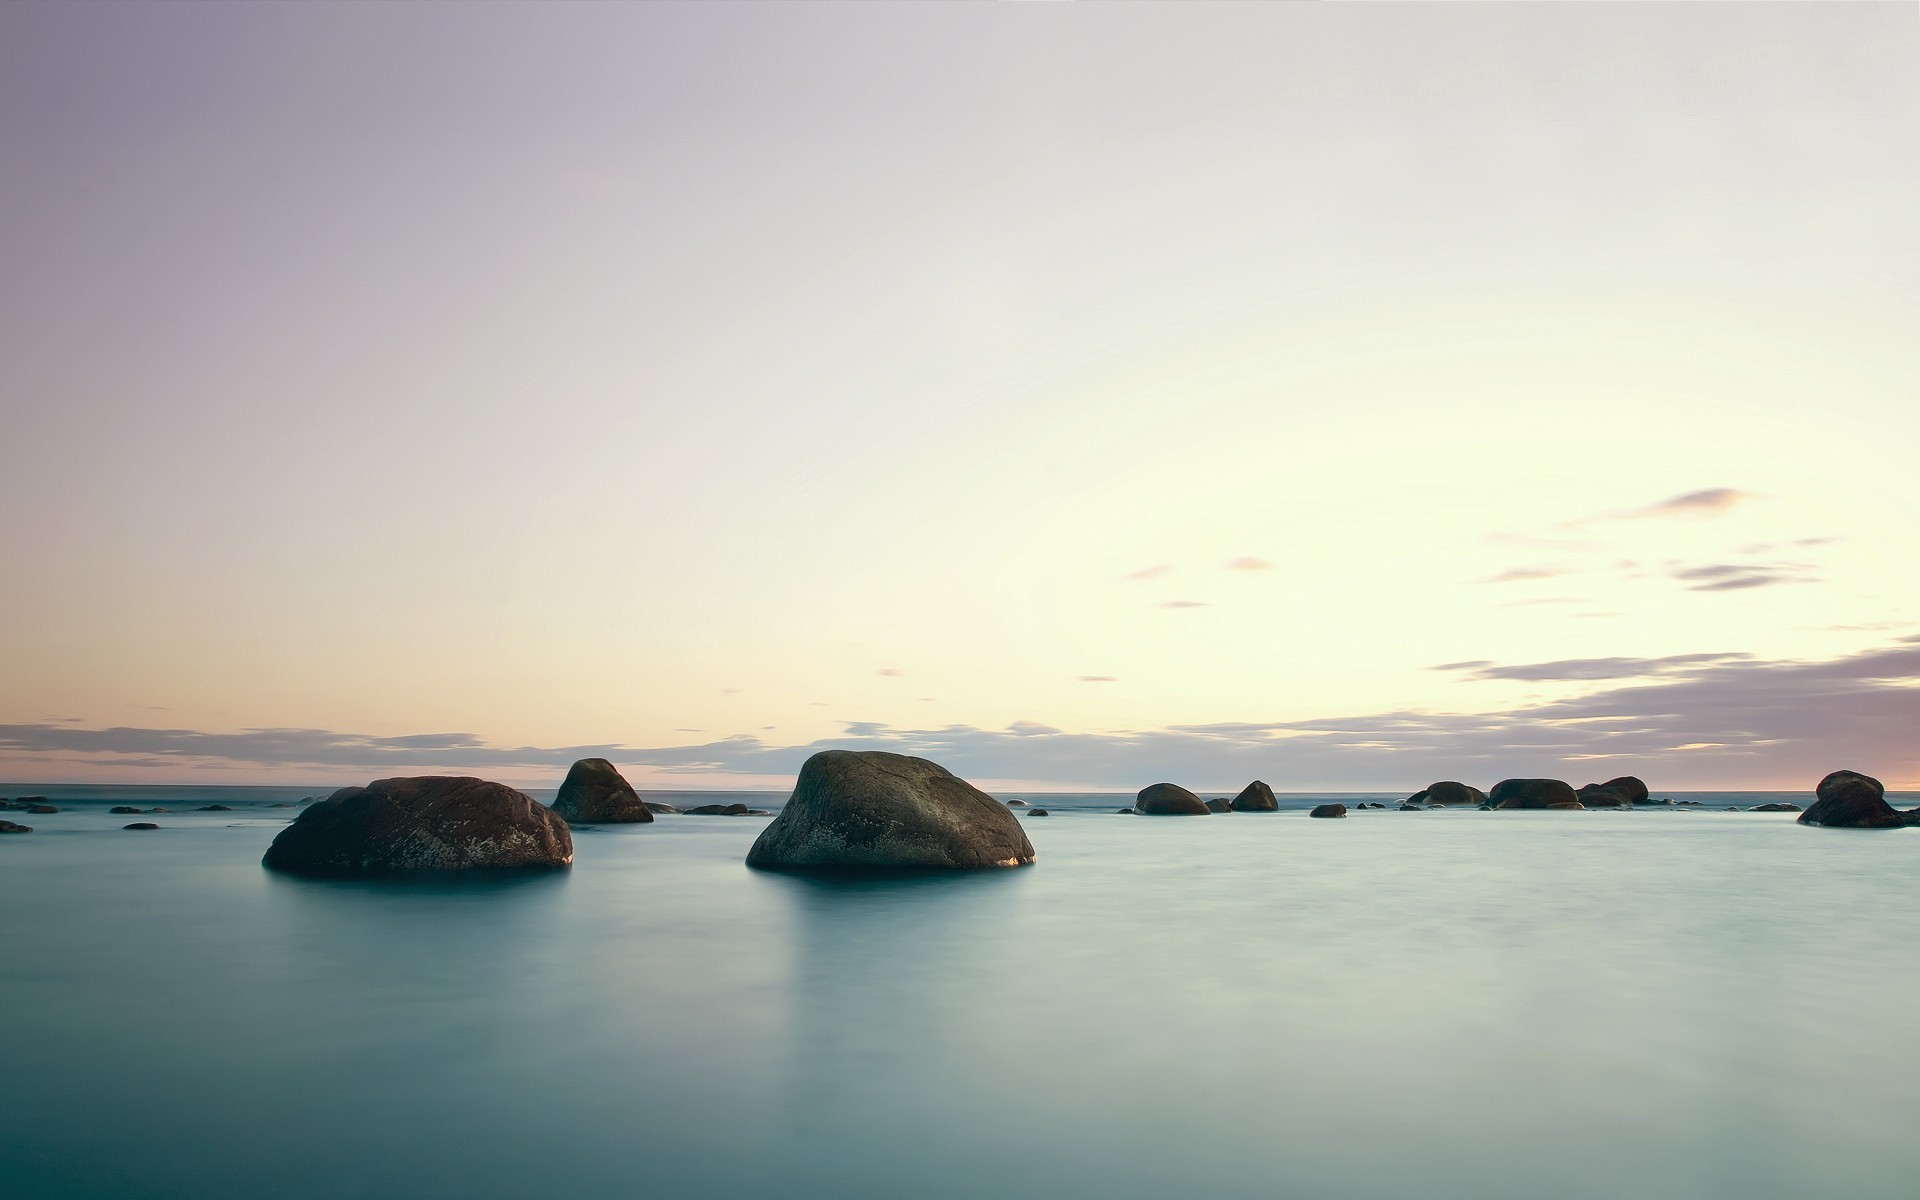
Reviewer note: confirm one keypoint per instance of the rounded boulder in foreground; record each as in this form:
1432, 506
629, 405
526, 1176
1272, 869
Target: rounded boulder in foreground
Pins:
873, 809
1256, 797
1448, 791
420, 824
1169, 800
1532, 793
1850, 800
596, 793
1328, 810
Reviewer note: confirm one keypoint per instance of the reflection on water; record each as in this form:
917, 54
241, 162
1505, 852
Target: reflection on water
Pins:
1442, 1004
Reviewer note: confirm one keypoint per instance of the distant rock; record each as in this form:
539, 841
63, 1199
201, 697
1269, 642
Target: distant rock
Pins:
874, 809
595, 791
43, 809
124, 810
1778, 806
213, 808
759, 812
719, 810
1038, 812
1123, 812
1850, 800
1329, 810
654, 806
1256, 797
1531, 793
283, 804
10, 827
1220, 805
1624, 792
1371, 804
1169, 800
158, 810
420, 824
141, 825
1448, 792
1017, 804
1411, 808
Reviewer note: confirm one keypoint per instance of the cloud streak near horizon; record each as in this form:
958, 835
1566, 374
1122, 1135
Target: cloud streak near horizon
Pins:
1722, 719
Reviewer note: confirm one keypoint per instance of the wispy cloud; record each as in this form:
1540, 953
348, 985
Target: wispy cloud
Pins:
1522, 574
1249, 564
1705, 502
895, 672
1147, 573
1099, 678
1183, 604
1593, 668
1733, 577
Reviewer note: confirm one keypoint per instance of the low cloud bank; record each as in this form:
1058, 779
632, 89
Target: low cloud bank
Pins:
1698, 720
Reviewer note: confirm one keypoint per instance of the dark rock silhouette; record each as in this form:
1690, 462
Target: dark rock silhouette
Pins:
870, 808
43, 809
213, 808
1623, 792
1017, 804
1448, 792
10, 827
595, 791
124, 810
1168, 799
1531, 793
421, 824
1850, 800
1219, 804
141, 825
1123, 812
1038, 812
1329, 810
655, 806
1776, 807
719, 810
1256, 797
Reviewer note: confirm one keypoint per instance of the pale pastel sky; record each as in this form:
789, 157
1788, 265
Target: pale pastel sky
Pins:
1351, 396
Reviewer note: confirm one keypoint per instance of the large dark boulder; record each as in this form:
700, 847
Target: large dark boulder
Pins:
1448, 792
1624, 792
1169, 799
1329, 810
422, 823
869, 808
596, 793
1850, 800
1256, 797
1531, 793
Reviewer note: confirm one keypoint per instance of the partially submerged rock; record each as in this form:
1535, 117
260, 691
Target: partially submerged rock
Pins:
1017, 804
1623, 792
141, 825
656, 806
43, 809
1568, 807
124, 810
1329, 810
421, 823
1169, 800
10, 827
1778, 806
719, 810
1038, 812
1256, 797
1531, 793
1448, 792
871, 808
595, 791
1850, 800
214, 808
1219, 804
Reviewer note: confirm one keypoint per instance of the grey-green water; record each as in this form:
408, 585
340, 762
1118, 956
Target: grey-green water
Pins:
1443, 1004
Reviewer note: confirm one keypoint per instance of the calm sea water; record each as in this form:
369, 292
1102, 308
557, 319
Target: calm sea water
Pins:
1442, 1004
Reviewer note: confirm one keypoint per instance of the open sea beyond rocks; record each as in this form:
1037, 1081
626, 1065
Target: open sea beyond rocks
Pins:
1649, 1003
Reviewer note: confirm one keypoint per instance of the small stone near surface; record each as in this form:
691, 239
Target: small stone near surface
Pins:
1776, 807
123, 810
1038, 812
1123, 812
1169, 800
1220, 805
214, 808
1329, 810
43, 809
10, 827
1017, 804
141, 825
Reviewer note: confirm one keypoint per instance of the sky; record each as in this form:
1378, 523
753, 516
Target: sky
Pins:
1078, 395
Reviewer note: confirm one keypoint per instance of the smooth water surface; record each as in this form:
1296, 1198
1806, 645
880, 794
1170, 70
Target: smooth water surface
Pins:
1443, 1004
